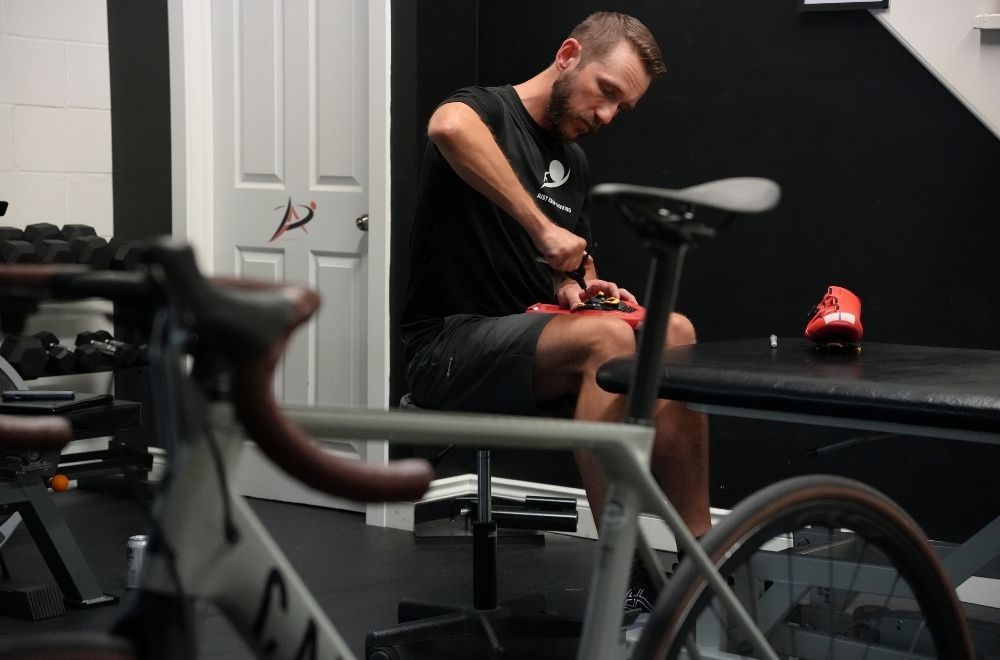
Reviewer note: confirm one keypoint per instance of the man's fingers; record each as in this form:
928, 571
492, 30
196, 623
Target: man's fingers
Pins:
609, 289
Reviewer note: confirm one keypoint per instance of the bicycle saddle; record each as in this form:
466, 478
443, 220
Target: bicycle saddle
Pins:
735, 195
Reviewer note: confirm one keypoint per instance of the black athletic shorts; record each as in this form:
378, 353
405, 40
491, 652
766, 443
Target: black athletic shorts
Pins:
479, 364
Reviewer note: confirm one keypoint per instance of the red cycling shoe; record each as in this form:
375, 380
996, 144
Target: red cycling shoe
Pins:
599, 305
836, 319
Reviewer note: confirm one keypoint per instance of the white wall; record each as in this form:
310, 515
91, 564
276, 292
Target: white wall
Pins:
940, 34
55, 143
55, 113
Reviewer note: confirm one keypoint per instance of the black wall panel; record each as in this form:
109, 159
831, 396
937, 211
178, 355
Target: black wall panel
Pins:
434, 44
139, 66
889, 188
138, 57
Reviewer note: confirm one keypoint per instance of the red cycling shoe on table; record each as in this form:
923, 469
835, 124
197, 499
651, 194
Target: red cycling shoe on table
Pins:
836, 319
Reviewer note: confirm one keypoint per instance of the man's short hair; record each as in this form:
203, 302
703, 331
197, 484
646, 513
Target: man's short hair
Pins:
602, 31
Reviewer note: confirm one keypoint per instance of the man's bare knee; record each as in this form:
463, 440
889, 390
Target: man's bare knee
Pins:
570, 348
611, 338
602, 338
680, 331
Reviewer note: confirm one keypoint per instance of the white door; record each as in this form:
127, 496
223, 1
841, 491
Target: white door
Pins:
291, 132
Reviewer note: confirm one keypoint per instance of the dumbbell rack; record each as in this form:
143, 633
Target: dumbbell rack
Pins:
127, 452
44, 242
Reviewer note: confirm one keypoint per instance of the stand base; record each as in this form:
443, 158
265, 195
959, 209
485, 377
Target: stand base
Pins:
97, 601
516, 629
32, 603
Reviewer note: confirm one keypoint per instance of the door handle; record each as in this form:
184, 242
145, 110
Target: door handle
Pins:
361, 222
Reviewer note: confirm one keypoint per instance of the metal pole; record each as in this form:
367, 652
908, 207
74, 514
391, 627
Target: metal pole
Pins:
661, 297
484, 539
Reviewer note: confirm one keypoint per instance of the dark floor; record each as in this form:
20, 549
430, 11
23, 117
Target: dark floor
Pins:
357, 572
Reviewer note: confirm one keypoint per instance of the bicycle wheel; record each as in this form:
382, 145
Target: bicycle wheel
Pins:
857, 580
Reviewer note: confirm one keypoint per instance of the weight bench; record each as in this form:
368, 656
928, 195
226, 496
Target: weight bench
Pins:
23, 489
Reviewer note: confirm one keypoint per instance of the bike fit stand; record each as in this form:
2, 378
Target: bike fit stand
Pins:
512, 629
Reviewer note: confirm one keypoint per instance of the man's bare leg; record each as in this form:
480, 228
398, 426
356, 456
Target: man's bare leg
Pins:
570, 351
680, 450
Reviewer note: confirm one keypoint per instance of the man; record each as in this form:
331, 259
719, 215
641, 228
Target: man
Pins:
501, 217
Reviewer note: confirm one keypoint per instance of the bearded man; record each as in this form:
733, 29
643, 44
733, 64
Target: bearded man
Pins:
502, 217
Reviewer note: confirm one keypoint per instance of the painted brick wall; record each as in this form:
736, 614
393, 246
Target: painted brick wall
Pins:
55, 113
55, 144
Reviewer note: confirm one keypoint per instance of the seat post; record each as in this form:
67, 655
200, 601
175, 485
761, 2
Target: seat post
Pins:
484, 538
661, 299
484, 505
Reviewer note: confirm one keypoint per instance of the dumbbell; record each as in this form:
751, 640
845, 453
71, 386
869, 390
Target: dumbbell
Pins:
124, 254
26, 354
37, 232
53, 251
98, 350
47, 243
86, 246
59, 359
130, 354
13, 248
72, 244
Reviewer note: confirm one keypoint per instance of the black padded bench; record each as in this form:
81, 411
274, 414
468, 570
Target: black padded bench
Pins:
951, 393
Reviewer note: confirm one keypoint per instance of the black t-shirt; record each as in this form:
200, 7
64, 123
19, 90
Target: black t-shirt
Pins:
467, 255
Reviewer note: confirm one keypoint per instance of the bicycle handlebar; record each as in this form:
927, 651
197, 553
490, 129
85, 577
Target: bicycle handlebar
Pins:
248, 323
293, 449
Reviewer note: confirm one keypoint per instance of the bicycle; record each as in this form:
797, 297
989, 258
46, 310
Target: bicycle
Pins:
207, 544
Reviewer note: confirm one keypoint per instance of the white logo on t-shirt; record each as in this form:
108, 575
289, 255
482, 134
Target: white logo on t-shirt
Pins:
556, 176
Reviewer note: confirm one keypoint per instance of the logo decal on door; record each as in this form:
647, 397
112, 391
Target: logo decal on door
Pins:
291, 219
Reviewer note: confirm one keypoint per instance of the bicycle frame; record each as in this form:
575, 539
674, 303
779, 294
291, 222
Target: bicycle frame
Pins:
624, 450
254, 585
251, 581
240, 568
248, 577
207, 544
223, 574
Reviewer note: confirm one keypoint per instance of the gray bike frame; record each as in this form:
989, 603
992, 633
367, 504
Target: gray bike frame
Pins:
209, 545
255, 586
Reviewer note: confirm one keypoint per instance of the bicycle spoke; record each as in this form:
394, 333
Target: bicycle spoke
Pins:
830, 592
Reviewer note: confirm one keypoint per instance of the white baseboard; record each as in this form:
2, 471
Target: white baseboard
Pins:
660, 538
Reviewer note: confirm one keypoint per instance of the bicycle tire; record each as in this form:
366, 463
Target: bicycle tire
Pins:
802, 503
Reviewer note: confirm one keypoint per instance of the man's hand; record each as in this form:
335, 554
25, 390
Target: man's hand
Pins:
561, 248
571, 296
